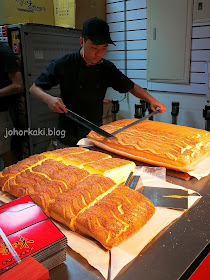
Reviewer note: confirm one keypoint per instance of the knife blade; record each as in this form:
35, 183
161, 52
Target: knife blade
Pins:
166, 197
82, 121
135, 122
163, 197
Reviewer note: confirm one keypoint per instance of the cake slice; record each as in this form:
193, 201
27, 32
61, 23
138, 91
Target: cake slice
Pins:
15, 169
116, 216
49, 167
57, 154
82, 158
66, 207
115, 168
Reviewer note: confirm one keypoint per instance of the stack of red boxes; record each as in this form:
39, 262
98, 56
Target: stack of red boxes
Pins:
31, 233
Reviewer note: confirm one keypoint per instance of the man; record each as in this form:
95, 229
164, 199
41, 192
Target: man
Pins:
11, 83
84, 77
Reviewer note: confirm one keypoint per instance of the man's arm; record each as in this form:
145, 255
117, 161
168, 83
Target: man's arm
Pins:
55, 104
141, 93
16, 85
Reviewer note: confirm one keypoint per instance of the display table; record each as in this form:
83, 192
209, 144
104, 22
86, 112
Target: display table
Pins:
168, 256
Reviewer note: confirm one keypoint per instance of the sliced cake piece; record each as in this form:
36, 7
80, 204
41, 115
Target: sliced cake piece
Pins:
115, 168
57, 154
15, 169
116, 216
82, 158
49, 167
66, 207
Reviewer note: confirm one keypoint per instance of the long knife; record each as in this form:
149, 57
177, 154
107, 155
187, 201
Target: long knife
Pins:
82, 121
138, 121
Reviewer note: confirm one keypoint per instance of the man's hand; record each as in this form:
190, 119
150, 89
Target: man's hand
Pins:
155, 104
56, 104
141, 93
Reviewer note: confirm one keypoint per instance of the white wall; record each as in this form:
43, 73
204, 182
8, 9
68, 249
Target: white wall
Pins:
130, 55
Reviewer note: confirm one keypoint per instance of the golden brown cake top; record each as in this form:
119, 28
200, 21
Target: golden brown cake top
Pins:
23, 164
82, 196
82, 158
66, 151
116, 216
109, 163
161, 140
49, 167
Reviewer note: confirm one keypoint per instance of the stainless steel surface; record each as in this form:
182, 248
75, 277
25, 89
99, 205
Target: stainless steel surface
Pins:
138, 121
73, 116
167, 256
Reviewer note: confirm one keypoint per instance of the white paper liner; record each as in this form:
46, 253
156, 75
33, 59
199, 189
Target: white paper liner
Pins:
199, 171
129, 249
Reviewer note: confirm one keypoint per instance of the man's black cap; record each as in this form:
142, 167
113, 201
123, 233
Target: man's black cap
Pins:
97, 30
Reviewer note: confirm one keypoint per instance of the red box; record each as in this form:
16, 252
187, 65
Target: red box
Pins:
28, 229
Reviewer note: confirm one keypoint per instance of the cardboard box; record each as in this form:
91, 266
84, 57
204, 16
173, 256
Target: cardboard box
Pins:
72, 13
20, 11
31, 233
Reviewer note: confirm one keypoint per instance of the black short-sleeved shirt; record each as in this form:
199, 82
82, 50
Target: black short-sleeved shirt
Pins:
83, 88
8, 63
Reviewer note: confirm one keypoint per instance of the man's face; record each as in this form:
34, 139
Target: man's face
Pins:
93, 53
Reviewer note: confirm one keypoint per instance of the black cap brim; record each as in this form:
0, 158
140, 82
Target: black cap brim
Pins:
101, 40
